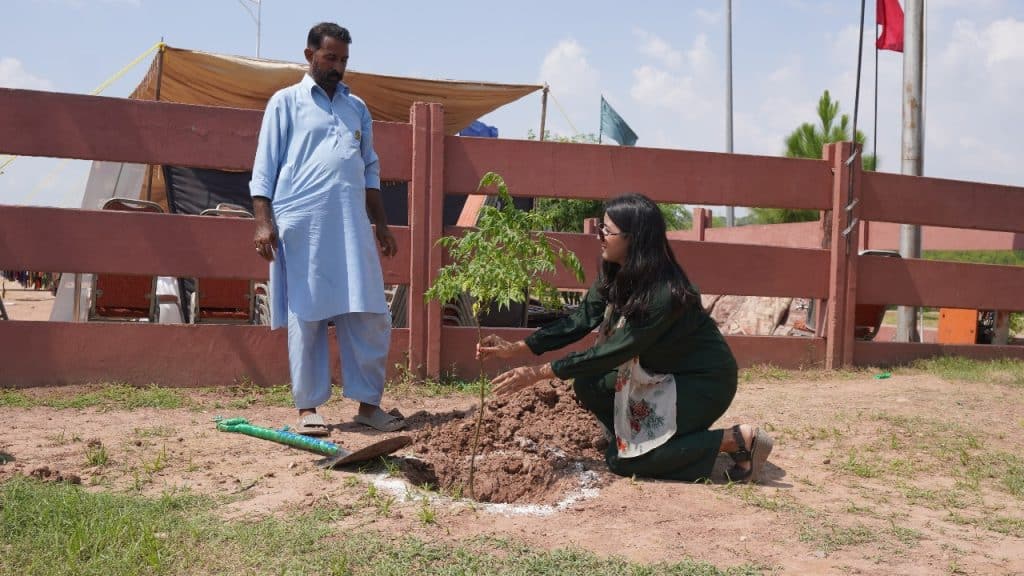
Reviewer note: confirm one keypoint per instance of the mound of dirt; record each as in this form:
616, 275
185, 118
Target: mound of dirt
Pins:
534, 447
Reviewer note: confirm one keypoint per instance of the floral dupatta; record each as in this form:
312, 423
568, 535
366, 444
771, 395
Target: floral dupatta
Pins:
645, 403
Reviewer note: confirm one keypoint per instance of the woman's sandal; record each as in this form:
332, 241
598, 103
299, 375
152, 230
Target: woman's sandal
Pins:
761, 445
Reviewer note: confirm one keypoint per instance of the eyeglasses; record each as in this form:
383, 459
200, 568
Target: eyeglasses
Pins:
603, 232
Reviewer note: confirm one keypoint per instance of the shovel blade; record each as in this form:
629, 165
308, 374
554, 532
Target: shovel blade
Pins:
377, 449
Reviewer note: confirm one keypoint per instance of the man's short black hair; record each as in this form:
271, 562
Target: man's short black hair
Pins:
317, 33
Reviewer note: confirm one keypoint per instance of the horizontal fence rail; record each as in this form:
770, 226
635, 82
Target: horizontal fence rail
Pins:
458, 357
48, 354
897, 281
34, 123
590, 171
895, 353
940, 202
738, 269
97, 241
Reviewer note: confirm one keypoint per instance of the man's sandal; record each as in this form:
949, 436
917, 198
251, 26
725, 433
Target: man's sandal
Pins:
761, 445
383, 421
312, 425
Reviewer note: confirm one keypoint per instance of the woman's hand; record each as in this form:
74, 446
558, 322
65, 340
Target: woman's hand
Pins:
517, 379
494, 346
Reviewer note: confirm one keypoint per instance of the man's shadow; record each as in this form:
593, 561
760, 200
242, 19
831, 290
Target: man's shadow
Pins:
415, 421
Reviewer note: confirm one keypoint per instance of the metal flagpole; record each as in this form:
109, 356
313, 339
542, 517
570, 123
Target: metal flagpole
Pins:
730, 212
543, 111
874, 135
912, 152
257, 17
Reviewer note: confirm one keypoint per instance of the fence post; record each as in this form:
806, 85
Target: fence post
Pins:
435, 229
843, 244
419, 219
702, 221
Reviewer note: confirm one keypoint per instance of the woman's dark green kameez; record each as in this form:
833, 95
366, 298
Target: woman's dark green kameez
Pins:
685, 343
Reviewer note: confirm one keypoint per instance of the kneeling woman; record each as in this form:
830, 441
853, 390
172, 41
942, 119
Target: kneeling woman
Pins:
660, 373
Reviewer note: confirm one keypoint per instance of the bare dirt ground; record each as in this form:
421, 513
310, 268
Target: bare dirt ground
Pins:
907, 475
24, 304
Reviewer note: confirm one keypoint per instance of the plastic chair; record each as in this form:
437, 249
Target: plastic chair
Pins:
122, 297
867, 318
224, 300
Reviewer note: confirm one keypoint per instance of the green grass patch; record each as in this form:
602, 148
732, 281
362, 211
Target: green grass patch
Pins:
762, 372
109, 397
860, 466
1001, 257
1000, 524
1001, 371
830, 536
14, 399
947, 448
249, 394
155, 432
938, 499
929, 317
96, 454
771, 501
1006, 470
406, 383
1005, 525
57, 529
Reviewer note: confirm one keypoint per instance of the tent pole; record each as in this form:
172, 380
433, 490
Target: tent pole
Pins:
543, 111
159, 78
77, 306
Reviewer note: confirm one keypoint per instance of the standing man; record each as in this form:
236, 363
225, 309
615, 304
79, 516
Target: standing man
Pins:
315, 187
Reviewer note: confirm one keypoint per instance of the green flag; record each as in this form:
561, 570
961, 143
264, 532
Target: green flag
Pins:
614, 127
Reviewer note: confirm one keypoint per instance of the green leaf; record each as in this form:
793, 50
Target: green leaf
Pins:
504, 259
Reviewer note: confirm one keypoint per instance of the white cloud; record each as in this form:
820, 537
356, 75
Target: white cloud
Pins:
655, 47
656, 87
566, 65
962, 4
1004, 43
14, 75
787, 73
575, 84
79, 4
699, 55
680, 98
972, 92
708, 17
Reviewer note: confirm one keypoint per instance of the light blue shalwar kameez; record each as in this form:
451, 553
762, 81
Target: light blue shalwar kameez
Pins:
314, 161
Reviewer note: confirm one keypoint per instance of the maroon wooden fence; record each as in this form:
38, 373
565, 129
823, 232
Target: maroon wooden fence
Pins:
88, 241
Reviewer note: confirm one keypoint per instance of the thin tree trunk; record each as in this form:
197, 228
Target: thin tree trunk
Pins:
480, 411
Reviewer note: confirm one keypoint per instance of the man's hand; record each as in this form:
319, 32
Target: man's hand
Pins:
494, 346
388, 244
266, 234
517, 379
265, 240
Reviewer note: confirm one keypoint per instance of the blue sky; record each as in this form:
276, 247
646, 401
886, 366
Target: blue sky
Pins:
662, 67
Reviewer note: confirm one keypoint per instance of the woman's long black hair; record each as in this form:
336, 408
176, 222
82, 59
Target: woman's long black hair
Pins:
650, 264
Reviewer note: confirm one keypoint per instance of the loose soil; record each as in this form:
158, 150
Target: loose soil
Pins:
536, 447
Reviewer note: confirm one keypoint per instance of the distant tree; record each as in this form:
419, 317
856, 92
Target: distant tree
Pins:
808, 141
720, 221
568, 215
